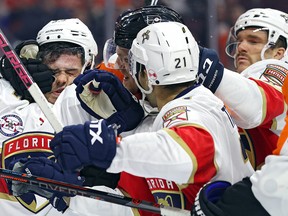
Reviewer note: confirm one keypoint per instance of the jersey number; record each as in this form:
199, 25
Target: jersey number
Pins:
206, 67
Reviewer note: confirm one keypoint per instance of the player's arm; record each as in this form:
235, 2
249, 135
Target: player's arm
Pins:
141, 154
149, 154
252, 102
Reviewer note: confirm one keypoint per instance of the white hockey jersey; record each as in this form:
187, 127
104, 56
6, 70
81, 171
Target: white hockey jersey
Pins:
256, 103
24, 132
269, 184
194, 140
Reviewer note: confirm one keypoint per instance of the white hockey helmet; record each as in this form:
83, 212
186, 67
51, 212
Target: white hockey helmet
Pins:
70, 30
273, 21
169, 53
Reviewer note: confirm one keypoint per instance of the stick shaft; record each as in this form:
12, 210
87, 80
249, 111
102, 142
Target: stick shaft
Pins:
28, 82
77, 190
71, 189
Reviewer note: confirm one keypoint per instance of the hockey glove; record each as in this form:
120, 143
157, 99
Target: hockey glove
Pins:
220, 198
207, 197
77, 146
46, 168
95, 176
102, 95
210, 70
40, 73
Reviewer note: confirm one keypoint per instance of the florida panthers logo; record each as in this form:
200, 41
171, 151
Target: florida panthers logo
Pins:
145, 36
11, 125
27, 145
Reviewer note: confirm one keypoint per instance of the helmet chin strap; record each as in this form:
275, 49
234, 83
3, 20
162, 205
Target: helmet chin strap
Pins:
266, 47
150, 87
84, 67
92, 62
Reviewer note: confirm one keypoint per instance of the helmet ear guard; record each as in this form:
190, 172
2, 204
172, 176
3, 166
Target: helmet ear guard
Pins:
137, 60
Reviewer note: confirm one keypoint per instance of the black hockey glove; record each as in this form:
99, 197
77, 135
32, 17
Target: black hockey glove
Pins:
40, 73
95, 176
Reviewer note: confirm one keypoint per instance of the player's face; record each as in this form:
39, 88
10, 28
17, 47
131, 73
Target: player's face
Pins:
250, 45
123, 63
66, 69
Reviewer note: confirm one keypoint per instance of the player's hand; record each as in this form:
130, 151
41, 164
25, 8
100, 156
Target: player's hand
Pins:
103, 96
77, 146
40, 73
46, 168
210, 71
95, 176
209, 194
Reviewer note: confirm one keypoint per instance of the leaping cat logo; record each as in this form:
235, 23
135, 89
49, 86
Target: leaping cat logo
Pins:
145, 36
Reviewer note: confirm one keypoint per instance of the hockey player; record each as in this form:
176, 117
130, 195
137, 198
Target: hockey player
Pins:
128, 24
24, 129
254, 97
265, 193
185, 149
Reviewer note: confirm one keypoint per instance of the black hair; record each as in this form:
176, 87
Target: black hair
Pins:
50, 52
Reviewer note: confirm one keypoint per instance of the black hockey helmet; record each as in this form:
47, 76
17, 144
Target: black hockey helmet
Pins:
130, 22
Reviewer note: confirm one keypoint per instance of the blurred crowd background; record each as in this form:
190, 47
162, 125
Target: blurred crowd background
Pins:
209, 20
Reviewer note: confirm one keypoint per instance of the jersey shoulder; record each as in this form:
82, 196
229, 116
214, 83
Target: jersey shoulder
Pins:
268, 70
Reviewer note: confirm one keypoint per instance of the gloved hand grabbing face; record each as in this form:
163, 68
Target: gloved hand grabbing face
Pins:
40, 73
102, 95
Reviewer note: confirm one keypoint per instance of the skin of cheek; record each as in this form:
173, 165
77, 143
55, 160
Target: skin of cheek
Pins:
122, 61
251, 57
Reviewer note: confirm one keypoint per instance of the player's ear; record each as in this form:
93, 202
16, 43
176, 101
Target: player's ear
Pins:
279, 53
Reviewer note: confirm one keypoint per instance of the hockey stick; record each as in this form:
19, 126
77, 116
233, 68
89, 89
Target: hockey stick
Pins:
71, 189
29, 83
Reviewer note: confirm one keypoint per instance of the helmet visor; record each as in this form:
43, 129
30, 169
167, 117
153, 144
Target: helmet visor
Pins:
231, 43
110, 55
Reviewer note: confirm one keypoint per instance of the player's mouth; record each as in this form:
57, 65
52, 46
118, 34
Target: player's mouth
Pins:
241, 59
58, 91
